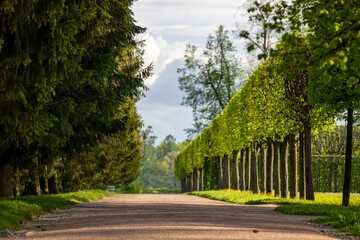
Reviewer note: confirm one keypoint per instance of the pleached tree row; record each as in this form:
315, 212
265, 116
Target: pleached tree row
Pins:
262, 140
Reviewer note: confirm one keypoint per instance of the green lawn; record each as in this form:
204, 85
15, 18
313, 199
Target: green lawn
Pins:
325, 204
15, 210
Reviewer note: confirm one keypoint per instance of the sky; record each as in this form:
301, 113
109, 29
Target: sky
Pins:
171, 24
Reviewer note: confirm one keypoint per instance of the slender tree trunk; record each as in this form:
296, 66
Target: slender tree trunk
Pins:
308, 161
284, 168
182, 185
248, 169
5, 180
235, 170
17, 187
54, 184
226, 171
269, 167
276, 177
263, 168
196, 179
191, 182
33, 187
201, 183
292, 166
348, 158
220, 173
44, 180
242, 171
302, 185
254, 169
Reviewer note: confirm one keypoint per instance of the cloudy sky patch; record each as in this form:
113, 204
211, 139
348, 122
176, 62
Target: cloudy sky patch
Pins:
171, 24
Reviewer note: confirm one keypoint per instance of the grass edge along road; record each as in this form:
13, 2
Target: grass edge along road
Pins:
326, 204
14, 210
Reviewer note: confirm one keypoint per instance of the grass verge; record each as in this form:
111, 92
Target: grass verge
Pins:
15, 210
325, 204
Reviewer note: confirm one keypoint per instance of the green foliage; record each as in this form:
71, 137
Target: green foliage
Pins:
69, 72
328, 173
325, 204
134, 188
14, 210
158, 169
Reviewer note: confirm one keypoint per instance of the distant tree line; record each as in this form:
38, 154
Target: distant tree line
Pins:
70, 74
158, 164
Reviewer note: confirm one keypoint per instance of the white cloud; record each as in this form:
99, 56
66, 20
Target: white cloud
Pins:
166, 119
161, 53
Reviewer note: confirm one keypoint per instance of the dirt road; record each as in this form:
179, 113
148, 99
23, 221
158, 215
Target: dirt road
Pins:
169, 217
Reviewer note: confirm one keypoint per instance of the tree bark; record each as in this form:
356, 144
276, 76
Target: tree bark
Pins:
191, 182
308, 161
54, 184
263, 168
302, 185
292, 166
33, 187
242, 170
276, 177
247, 169
201, 183
220, 173
254, 169
5, 180
226, 171
284, 168
17, 188
235, 170
348, 158
269, 167
196, 177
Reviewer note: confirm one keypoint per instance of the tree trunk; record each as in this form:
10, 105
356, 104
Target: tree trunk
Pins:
242, 175
247, 169
191, 182
17, 188
292, 166
33, 187
182, 185
276, 177
302, 185
348, 158
5, 180
220, 173
269, 169
235, 170
226, 171
201, 179
263, 168
254, 169
308, 161
196, 177
54, 184
44, 180
284, 168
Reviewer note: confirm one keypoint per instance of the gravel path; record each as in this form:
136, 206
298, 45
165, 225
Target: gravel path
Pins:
156, 216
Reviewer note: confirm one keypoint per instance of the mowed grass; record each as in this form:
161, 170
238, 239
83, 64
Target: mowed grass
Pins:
14, 210
325, 204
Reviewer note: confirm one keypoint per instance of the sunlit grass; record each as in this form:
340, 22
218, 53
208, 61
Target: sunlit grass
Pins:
15, 210
325, 204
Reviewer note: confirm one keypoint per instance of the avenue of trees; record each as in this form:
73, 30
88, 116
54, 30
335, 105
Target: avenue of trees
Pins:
70, 74
158, 164
309, 79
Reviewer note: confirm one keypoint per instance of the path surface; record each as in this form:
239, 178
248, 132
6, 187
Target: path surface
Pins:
167, 216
